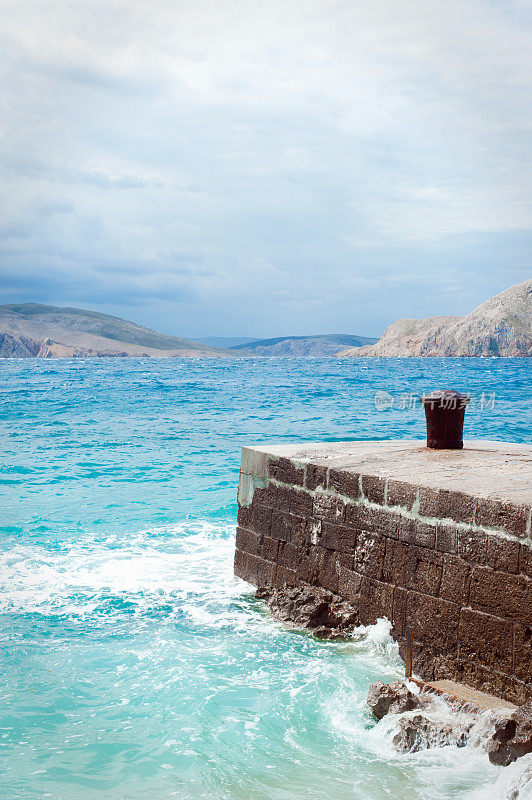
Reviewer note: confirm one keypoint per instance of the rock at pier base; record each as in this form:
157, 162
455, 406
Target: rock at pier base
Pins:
391, 698
325, 614
512, 737
420, 733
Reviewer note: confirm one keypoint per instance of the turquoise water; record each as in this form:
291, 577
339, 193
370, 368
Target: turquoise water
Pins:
134, 664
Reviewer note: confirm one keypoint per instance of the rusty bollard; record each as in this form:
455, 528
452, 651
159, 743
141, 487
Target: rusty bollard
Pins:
444, 411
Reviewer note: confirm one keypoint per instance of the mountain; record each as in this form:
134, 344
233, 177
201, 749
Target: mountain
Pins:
502, 326
226, 341
34, 330
297, 346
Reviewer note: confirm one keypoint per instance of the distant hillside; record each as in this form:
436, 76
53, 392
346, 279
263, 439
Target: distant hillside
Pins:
297, 346
502, 326
34, 330
226, 341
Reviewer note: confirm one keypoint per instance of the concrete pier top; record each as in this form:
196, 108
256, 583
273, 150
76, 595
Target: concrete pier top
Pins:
492, 470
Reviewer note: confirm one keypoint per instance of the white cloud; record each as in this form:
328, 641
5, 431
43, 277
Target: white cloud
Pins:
264, 151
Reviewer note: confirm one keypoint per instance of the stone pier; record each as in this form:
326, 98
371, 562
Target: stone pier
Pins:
437, 541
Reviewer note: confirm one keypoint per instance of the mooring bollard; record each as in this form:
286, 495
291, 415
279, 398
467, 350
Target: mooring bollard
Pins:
444, 412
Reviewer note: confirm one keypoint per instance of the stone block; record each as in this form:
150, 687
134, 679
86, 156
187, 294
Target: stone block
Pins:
301, 502
522, 652
412, 567
502, 594
381, 521
416, 532
444, 504
472, 545
244, 517
349, 583
399, 611
423, 661
247, 541
274, 495
345, 559
369, 555
342, 538
269, 548
359, 516
254, 570
374, 488
289, 555
502, 553
376, 601
497, 683
319, 568
315, 476
455, 579
345, 483
255, 517
401, 494
326, 566
525, 559
447, 667
508, 517
434, 621
328, 507
285, 577
305, 530
447, 537
285, 471
486, 640
281, 526
425, 573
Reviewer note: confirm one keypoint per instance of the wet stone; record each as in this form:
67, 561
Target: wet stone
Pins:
391, 698
322, 612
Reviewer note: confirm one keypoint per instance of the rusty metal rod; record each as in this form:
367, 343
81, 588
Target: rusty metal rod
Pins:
409, 648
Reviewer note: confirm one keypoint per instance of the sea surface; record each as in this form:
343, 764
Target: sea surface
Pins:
134, 665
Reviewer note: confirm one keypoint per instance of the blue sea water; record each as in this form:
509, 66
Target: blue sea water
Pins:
134, 665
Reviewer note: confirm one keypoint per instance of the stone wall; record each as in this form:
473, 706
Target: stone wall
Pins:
455, 568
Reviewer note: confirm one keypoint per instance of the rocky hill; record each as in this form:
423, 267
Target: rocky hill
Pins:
38, 331
502, 326
302, 346
226, 342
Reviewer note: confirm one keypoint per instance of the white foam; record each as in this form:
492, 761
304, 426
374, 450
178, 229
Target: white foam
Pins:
513, 783
188, 561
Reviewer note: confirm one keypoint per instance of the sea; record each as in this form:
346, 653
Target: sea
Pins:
134, 665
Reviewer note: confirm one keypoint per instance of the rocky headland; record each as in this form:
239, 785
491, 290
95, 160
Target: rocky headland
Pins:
31, 330
502, 326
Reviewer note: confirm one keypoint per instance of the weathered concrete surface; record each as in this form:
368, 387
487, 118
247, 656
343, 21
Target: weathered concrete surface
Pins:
437, 541
466, 694
469, 470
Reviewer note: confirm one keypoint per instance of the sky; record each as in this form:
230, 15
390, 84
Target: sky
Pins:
265, 168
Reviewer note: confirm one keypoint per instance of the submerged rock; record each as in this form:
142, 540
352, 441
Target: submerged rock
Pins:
391, 698
436, 727
512, 736
421, 733
326, 614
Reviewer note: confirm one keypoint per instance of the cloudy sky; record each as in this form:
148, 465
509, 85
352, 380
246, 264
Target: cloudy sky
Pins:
243, 167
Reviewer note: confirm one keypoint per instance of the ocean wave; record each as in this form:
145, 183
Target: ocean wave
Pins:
513, 783
187, 566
